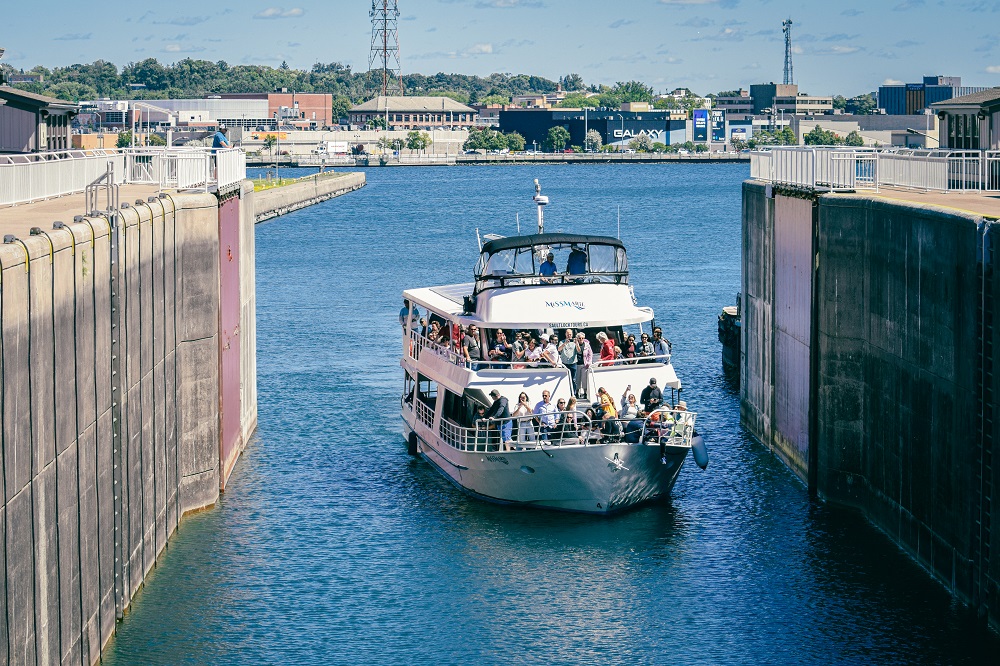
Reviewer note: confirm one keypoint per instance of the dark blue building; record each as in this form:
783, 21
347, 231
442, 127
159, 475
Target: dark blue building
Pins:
910, 98
614, 126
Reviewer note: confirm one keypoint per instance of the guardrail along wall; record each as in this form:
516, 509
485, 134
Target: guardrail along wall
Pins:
110, 415
899, 391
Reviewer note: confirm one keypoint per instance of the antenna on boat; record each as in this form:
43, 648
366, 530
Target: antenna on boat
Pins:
479, 240
541, 201
517, 218
619, 222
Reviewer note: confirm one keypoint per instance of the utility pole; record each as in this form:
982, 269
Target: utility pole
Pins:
786, 27
384, 67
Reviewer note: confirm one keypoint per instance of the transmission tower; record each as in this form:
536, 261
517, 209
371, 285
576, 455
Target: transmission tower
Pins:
383, 63
786, 27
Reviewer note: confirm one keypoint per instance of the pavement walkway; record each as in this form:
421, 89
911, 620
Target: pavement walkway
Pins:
19, 219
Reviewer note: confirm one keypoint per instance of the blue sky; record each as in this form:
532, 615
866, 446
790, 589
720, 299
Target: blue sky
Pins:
706, 45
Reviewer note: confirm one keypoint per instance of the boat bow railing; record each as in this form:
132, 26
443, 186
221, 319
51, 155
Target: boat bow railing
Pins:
672, 427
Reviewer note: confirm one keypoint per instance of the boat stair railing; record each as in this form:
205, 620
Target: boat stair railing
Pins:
425, 413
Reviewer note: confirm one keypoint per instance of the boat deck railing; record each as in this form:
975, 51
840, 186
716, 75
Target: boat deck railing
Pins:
420, 344
673, 427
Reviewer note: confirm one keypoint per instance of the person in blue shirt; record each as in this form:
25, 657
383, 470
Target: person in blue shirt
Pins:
577, 263
548, 267
220, 140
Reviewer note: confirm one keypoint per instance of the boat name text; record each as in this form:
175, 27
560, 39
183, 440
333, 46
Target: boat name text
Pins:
579, 305
500, 459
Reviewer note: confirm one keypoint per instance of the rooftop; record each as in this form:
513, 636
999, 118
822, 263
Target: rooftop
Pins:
412, 105
983, 97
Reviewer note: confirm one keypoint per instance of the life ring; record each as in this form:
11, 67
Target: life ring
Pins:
411, 444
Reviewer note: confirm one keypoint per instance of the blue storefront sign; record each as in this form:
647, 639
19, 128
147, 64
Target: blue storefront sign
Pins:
701, 125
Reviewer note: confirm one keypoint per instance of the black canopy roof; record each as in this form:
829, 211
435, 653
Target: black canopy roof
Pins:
509, 242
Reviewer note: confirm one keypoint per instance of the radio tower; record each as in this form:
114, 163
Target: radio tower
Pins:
786, 27
383, 63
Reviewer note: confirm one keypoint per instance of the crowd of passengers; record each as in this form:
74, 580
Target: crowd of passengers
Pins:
521, 349
646, 419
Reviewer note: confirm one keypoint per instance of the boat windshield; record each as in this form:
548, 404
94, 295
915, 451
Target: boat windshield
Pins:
552, 263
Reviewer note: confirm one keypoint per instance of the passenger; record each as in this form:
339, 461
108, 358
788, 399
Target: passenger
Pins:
546, 413
482, 432
645, 348
551, 352
434, 335
404, 314
499, 417
619, 356
471, 351
423, 327
533, 354
517, 349
661, 346
586, 360
633, 431
557, 434
501, 351
611, 429
630, 408
607, 349
628, 348
577, 263
525, 428
548, 267
607, 404
569, 354
571, 421
651, 396
592, 434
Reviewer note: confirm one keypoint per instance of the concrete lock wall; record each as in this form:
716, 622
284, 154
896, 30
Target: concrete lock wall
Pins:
110, 411
308, 191
891, 397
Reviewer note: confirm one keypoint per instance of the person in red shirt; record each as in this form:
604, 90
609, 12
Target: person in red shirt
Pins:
607, 349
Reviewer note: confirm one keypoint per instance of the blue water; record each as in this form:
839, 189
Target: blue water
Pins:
332, 545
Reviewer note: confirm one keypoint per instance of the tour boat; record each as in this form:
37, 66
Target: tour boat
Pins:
586, 464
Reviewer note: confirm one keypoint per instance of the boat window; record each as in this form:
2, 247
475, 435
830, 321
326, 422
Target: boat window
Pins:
603, 259
523, 264
559, 252
426, 390
501, 263
622, 261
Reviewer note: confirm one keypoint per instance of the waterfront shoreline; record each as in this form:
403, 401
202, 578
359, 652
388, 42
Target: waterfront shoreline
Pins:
293, 161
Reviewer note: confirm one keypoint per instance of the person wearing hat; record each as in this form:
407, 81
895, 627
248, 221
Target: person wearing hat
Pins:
577, 263
220, 140
500, 411
651, 396
548, 267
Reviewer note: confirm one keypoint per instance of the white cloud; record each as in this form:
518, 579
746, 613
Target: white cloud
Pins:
892, 82
278, 12
993, 69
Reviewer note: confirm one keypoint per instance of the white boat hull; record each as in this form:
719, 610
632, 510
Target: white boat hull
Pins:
591, 479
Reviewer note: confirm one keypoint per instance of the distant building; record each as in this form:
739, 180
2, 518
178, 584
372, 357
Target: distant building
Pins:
615, 127
909, 98
14, 79
741, 104
415, 112
488, 115
31, 123
913, 131
786, 98
970, 122
539, 100
300, 110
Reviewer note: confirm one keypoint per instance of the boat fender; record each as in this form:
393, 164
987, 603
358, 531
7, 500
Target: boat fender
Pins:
699, 451
411, 444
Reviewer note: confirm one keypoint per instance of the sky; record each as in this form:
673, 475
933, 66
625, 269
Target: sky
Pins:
844, 48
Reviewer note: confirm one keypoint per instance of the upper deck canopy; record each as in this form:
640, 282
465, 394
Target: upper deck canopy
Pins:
538, 259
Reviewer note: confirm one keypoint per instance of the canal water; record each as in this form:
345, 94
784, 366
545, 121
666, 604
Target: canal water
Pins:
331, 545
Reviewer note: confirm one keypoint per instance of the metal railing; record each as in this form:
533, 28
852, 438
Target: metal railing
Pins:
844, 169
673, 427
37, 176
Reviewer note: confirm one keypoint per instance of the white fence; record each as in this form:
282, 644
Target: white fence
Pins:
38, 176
840, 169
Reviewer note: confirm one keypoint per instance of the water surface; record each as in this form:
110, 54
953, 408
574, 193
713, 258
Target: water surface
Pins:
332, 545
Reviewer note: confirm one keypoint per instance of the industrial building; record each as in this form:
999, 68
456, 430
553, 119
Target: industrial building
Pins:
910, 98
786, 98
415, 112
615, 127
911, 131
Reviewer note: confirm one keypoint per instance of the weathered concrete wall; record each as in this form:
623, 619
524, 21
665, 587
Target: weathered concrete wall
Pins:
280, 200
895, 369
109, 407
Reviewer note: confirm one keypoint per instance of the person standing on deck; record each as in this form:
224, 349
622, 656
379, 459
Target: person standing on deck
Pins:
500, 411
568, 354
546, 413
586, 360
